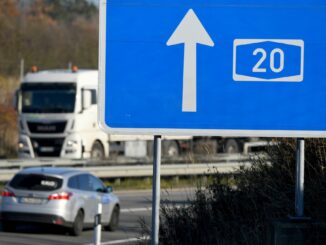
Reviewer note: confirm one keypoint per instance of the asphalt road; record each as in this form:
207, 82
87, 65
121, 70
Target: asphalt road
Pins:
135, 211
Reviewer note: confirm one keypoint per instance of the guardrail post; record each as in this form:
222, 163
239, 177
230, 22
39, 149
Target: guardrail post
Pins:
156, 190
97, 225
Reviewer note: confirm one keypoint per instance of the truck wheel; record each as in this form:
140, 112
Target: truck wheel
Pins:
170, 148
97, 151
231, 146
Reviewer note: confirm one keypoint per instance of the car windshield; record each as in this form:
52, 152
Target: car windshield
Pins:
35, 182
48, 97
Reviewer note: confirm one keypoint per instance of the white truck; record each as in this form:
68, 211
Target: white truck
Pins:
58, 118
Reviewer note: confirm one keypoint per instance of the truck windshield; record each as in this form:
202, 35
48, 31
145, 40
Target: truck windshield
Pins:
48, 97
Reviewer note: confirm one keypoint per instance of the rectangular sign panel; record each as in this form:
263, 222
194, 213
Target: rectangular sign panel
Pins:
204, 67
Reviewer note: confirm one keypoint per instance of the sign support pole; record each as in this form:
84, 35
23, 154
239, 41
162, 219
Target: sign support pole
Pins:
299, 189
156, 190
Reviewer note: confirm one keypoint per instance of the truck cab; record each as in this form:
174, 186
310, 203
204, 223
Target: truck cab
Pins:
58, 115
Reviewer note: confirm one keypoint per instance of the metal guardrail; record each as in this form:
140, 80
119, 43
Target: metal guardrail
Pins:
57, 162
147, 170
166, 170
226, 164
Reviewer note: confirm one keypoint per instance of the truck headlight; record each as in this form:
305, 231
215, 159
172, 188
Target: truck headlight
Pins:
72, 143
23, 146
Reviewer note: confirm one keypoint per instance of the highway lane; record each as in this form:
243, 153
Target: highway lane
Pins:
135, 206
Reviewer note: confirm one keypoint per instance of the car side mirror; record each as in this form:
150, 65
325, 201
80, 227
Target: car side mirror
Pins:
109, 189
86, 99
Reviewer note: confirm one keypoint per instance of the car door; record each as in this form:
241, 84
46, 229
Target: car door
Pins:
103, 197
91, 197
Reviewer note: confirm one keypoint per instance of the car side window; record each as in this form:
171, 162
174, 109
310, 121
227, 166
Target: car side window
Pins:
85, 183
97, 185
73, 182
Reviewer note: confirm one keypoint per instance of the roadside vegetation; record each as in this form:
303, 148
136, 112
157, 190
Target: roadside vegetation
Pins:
238, 209
166, 183
46, 33
8, 118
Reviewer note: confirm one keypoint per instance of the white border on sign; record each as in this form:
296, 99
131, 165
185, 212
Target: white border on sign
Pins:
101, 66
175, 131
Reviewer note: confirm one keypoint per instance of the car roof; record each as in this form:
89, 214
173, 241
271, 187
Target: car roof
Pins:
51, 171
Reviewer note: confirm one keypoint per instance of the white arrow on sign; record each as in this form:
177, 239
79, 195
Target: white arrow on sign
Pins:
190, 31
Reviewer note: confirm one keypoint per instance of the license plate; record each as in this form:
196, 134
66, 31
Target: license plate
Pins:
46, 149
31, 200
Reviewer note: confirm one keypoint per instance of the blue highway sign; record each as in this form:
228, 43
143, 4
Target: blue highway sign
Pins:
204, 67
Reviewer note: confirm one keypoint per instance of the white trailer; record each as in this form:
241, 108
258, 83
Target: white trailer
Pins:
58, 118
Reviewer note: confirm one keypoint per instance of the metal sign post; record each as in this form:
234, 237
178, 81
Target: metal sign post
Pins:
156, 190
299, 189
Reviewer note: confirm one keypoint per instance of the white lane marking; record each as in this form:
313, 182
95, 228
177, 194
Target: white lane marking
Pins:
127, 210
123, 240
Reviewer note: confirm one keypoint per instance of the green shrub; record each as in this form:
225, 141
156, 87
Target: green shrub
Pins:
239, 210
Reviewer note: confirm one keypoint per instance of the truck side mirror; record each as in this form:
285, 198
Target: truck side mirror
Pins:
86, 99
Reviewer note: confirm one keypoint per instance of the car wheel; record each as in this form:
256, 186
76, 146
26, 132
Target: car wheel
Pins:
8, 226
77, 226
114, 221
97, 151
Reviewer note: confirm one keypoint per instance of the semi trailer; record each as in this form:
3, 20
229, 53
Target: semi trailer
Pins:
57, 117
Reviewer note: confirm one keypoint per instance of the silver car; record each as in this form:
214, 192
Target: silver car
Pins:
61, 196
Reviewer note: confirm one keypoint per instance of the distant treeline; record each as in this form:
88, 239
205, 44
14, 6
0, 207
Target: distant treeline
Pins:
47, 33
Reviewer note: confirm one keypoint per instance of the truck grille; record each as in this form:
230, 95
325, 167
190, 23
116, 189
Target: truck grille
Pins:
47, 147
47, 128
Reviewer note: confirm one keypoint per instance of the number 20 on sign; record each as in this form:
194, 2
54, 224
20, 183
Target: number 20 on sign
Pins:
268, 60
